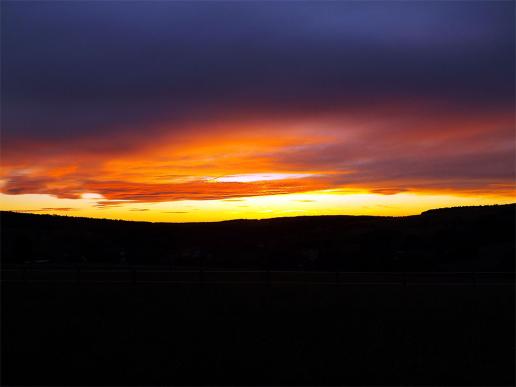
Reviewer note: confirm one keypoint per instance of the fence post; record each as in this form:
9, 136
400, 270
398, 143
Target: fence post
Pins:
404, 334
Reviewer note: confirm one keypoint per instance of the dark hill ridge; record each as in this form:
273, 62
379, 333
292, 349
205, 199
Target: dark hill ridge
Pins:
454, 239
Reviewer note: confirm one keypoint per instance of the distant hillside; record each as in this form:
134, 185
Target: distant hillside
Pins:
472, 210
454, 239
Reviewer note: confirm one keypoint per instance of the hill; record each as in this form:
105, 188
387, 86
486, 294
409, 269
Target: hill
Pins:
449, 239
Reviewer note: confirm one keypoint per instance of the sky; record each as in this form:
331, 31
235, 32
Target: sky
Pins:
203, 111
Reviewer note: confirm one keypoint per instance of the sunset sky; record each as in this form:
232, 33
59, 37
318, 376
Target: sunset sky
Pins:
200, 111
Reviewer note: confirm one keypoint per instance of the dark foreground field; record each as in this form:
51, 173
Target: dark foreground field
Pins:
261, 334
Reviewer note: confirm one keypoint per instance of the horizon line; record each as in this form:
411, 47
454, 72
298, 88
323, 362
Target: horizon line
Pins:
34, 212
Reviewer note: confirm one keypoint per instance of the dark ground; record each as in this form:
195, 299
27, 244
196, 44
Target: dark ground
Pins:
170, 334
450, 239
203, 333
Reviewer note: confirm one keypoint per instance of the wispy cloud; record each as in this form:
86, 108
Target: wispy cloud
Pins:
49, 209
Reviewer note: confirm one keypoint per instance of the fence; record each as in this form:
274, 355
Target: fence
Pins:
152, 274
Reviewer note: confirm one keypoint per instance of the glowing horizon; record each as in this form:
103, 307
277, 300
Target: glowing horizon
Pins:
260, 207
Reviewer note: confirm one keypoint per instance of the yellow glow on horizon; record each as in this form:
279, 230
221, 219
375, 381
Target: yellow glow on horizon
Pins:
330, 202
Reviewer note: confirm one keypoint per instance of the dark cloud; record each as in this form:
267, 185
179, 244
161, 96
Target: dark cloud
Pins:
127, 192
82, 68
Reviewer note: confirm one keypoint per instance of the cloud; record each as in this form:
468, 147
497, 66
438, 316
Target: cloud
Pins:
161, 97
394, 153
171, 63
64, 209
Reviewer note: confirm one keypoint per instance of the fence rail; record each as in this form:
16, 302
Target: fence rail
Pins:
155, 275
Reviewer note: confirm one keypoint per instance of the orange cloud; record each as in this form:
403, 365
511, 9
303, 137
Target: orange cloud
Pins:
392, 151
